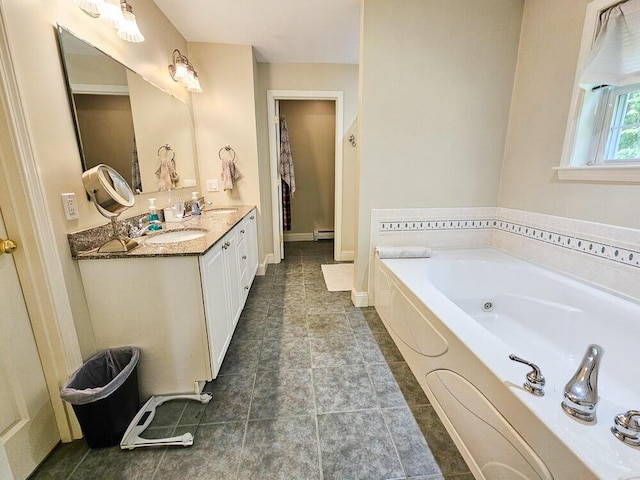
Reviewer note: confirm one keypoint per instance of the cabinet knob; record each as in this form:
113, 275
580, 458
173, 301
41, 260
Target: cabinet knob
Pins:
242, 231
228, 244
246, 287
252, 217
244, 257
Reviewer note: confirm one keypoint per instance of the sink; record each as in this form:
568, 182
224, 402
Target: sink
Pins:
175, 236
222, 210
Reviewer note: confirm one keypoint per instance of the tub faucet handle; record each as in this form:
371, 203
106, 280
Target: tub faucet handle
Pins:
581, 392
626, 427
535, 380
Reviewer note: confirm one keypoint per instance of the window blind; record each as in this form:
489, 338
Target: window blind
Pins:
615, 55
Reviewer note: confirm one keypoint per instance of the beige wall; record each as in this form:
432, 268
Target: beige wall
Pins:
435, 83
33, 46
333, 77
549, 47
312, 134
224, 114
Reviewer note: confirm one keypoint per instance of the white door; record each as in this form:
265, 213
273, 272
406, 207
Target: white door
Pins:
28, 430
280, 213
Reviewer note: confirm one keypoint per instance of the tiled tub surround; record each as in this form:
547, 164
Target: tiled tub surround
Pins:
312, 388
84, 244
604, 255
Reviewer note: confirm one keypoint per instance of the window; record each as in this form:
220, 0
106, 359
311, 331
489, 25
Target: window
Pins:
603, 135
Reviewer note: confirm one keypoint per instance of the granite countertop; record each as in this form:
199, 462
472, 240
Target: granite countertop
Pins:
216, 225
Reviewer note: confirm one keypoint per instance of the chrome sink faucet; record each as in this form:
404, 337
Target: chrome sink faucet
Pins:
534, 383
581, 392
141, 229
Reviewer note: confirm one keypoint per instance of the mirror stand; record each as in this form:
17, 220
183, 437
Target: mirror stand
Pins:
118, 243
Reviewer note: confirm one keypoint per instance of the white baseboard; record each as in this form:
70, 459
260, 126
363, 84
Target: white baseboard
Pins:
262, 267
360, 299
298, 237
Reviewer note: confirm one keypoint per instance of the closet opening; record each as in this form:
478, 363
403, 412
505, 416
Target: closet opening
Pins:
307, 128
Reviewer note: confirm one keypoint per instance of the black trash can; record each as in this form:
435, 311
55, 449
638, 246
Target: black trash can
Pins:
104, 395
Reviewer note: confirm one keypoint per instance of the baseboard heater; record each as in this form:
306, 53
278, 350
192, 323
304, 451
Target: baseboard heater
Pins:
324, 234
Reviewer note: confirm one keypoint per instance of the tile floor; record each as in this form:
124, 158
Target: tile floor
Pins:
311, 388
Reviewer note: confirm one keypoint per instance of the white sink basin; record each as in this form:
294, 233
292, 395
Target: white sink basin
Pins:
222, 210
175, 236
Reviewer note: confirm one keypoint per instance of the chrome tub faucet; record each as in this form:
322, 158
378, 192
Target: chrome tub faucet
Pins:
581, 392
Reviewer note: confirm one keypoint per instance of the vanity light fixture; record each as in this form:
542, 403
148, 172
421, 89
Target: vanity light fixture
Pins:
182, 71
117, 13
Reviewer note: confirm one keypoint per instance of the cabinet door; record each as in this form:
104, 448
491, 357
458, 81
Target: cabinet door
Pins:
251, 238
232, 269
216, 304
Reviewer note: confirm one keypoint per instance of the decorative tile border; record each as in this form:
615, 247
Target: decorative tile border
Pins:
422, 225
606, 251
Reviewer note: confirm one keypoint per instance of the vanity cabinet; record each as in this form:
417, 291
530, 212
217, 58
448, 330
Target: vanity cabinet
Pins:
181, 311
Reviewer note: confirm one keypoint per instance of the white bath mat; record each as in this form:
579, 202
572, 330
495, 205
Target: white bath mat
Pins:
338, 276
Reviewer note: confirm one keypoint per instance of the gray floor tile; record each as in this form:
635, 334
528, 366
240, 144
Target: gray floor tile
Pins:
242, 357
114, 463
283, 448
62, 461
411, 389
215, 453
250, 328
442, 447
357, 445
324, 324
370, 351
373, 319
231, 398
343, 388
357, 322
385, 385
285, 353
286, 326
414, 452
334, 351
282, 394
388, 347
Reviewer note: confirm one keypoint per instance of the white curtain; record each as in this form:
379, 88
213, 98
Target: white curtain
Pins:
615, 56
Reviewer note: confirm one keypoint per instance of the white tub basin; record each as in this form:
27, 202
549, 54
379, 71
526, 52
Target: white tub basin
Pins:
175, 236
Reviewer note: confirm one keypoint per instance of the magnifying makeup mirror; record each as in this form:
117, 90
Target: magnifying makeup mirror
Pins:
111, 195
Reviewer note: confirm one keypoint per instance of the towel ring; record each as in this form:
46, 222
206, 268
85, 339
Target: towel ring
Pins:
168, 149
228, 149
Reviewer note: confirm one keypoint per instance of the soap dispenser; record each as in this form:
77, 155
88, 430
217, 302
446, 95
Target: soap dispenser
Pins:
195, 204
154, 221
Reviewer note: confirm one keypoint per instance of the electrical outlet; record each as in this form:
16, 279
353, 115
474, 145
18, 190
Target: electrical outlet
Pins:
70, 206
213, 186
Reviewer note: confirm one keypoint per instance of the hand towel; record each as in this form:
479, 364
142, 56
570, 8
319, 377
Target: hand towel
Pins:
403, 252
229, 174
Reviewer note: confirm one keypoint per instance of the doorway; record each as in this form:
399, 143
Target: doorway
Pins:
273, 103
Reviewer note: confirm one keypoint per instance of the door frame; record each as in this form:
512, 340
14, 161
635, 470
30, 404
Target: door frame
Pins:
272, 97
37, 258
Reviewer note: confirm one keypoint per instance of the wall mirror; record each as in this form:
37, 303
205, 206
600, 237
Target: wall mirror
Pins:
125, 121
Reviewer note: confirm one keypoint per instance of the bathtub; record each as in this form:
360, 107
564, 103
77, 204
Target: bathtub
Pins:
458, 351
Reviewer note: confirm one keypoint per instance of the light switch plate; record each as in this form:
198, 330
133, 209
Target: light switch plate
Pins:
70, 206
213, 186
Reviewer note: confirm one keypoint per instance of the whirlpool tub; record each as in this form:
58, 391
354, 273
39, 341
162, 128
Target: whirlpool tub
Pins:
458, 315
